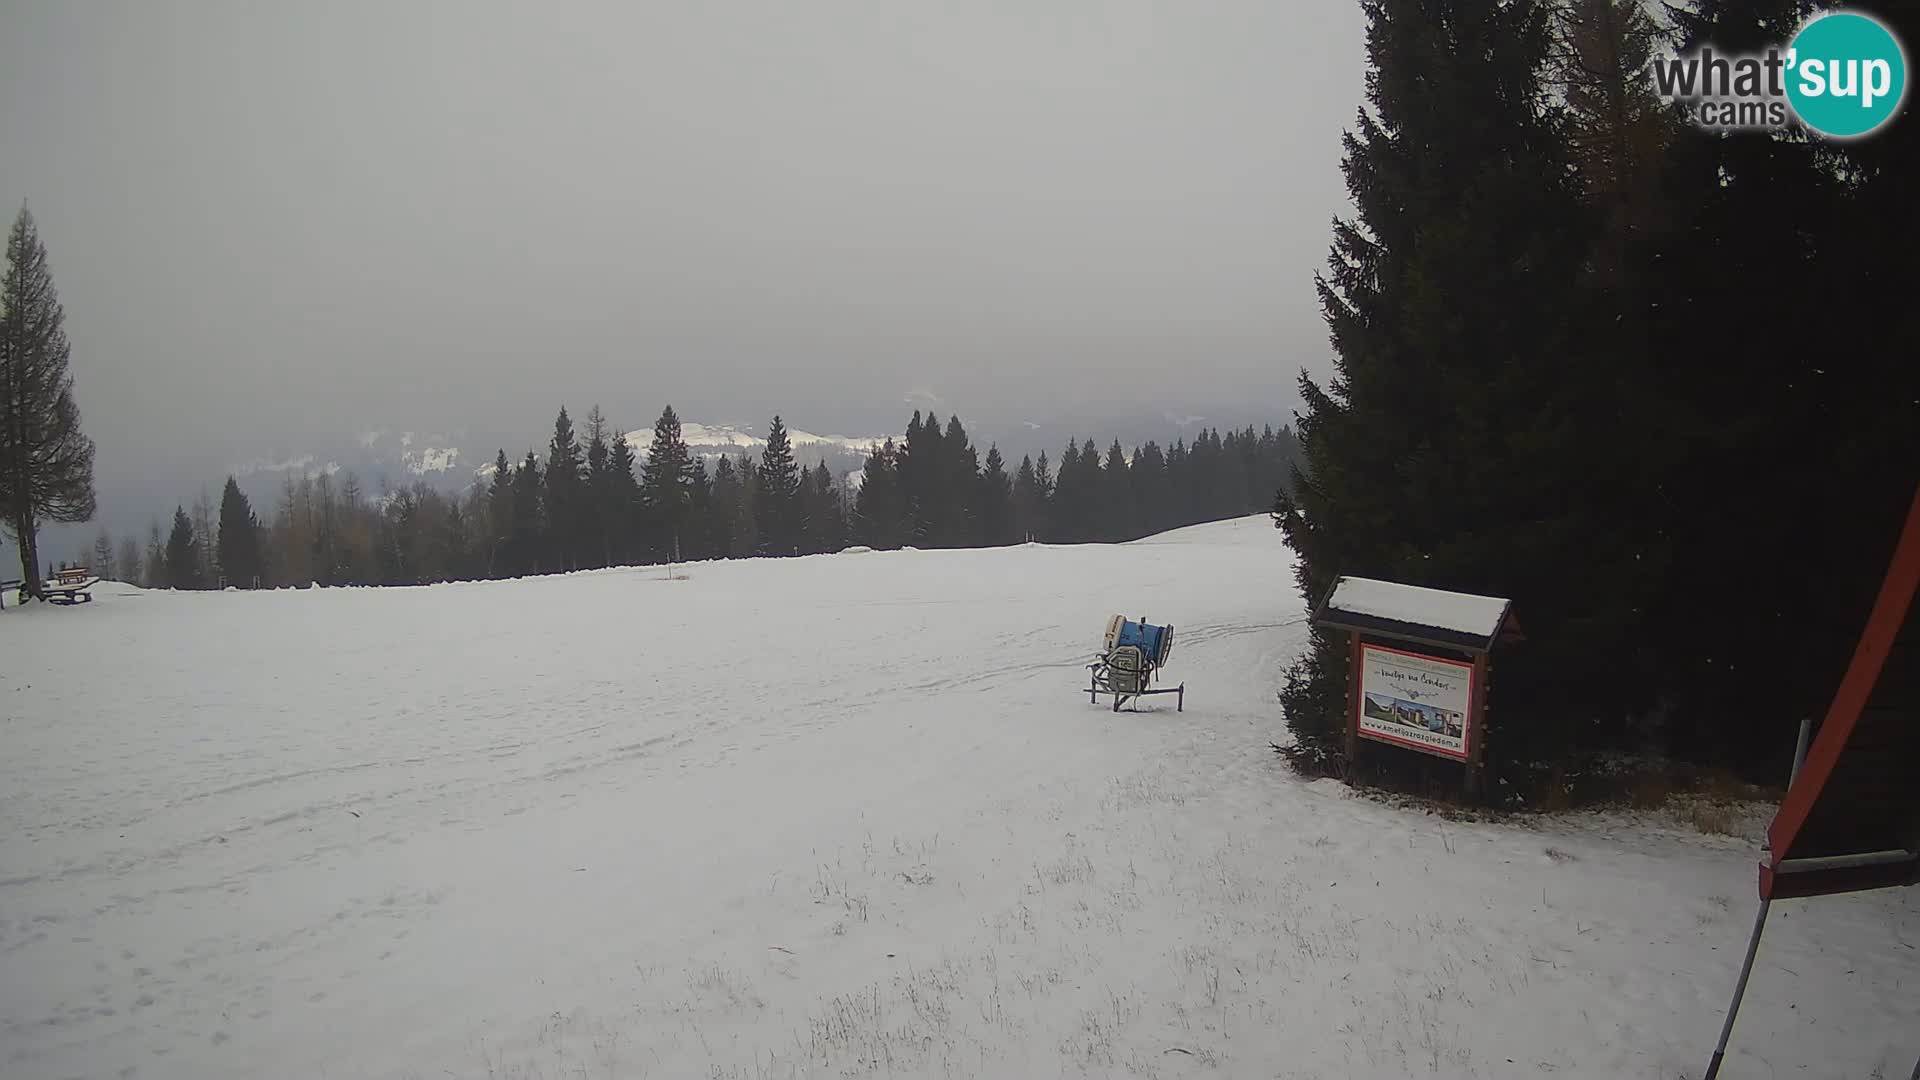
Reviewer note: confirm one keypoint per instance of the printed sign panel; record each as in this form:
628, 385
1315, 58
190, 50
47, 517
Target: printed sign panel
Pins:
1420, 702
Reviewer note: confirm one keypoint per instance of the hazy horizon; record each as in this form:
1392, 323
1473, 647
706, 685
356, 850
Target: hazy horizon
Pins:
275, 227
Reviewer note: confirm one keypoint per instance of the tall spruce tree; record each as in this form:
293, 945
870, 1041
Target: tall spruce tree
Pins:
1116, 513
746, 523
46, 462
1439, 453
880, 506
1617, 129
695, 532
239, 538
128, 562
723, 509
922, 470
183, 555
1043, 487
499, 540
565, 500
201, 515
1067, 512
1148, 475
622, 508
156, 560
825, 515
667, 484
777, 495
1025, 497
101, 558
1778, 442
596, 515
995, 501
959, 489
530, 520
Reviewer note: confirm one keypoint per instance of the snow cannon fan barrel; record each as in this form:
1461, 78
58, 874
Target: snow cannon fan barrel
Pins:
1154, 642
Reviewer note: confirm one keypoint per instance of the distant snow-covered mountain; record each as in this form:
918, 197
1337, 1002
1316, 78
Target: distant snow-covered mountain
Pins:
723, 437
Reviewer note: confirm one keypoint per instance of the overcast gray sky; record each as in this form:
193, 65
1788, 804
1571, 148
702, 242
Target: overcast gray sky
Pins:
275, 222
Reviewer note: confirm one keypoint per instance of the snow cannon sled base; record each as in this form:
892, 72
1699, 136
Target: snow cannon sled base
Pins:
1132, 654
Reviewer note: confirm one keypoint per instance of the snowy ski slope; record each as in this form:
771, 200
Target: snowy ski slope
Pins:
835, 816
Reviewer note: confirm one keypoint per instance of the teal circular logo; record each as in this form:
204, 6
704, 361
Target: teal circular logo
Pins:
1846, 75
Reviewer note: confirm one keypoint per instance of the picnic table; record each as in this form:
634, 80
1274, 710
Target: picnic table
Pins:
70, 586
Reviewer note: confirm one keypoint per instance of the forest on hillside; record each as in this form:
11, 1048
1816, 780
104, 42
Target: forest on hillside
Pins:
594, 501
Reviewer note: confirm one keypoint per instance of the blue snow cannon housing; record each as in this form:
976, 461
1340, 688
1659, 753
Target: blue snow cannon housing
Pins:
1154, 642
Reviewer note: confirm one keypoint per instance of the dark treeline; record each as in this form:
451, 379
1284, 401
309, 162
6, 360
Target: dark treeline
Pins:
932, 491
590, 501
1569, 372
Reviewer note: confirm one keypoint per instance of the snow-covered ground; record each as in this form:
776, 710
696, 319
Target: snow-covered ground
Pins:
835, 816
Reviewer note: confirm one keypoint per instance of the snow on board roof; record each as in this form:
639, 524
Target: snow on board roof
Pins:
1460, 613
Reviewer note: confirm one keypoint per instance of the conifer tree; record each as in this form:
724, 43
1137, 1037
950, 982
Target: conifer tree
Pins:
1043, 489
723, 511
1450, 302
996, 514
1025, 499
1616, 127
596, 515
746, 524
1116, 497
959, 491
564, 495
156, 560
777, 495
695, 531
203, 540
667, 484
623, 501
183, 555
458, 541
879, 507
499, 540
46, 462
1067, 511
530, 520
239, 538
101, 561
128, 563
1148, 475
922, 470
1756, 429
824, 523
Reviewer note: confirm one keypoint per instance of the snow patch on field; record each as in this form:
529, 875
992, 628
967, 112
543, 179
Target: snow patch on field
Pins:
824, 817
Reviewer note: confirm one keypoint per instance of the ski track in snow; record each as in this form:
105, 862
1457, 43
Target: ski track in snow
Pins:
838, 816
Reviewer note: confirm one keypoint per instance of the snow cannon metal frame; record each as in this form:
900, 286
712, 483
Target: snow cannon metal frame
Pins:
1132, 653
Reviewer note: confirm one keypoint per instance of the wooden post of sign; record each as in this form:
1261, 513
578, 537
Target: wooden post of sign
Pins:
1477, 745
1353, 699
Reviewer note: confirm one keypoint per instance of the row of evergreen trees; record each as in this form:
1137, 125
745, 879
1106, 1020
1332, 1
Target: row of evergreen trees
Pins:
931, 490
595, 503
1571, 372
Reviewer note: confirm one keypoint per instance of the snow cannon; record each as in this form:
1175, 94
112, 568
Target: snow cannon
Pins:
1155, 642
1132, 653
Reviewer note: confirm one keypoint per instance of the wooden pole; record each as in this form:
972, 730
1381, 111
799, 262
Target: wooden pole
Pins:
1353, 698
1759, 924
1477, 735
